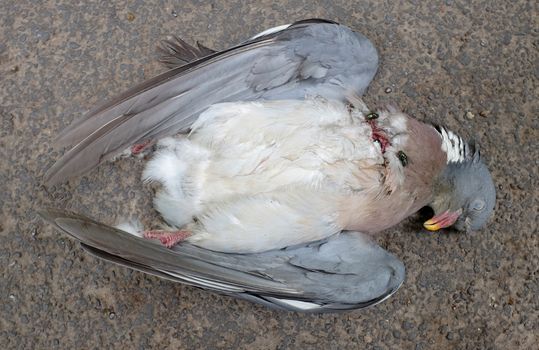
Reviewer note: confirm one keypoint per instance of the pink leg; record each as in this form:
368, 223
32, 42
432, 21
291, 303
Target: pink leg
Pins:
168, 238
139, 147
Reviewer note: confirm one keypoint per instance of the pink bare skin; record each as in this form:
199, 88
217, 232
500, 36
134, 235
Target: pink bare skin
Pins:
139, 147
168, 238
379, 135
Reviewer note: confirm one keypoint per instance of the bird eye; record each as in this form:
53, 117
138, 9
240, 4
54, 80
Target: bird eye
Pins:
372, 116
403, 158
478, 205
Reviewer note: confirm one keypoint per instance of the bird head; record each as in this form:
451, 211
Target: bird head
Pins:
464, 193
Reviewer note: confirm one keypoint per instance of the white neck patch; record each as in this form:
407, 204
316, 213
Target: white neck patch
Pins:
456, 149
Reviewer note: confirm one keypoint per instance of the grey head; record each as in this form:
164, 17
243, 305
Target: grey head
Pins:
464, 193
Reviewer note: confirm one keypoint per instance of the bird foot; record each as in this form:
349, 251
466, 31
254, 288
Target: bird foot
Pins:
168, 238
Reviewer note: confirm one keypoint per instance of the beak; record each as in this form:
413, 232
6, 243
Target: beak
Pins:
442, 220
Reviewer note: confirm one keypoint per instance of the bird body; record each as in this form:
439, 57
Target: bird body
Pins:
273, 171
256, 176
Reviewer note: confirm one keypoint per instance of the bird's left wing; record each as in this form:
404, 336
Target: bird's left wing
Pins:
346, 271
308, 58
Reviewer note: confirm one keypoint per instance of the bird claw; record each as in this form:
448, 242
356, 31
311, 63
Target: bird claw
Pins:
168, 238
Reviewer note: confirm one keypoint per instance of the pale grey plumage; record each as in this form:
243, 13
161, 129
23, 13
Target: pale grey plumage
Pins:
309, 58
467, 185
346, 271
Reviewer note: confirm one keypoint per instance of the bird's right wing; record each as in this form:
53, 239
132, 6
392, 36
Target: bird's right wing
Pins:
347, 271
313, 57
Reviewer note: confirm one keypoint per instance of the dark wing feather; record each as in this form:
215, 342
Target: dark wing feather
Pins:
346, 271
175, 52
308, 58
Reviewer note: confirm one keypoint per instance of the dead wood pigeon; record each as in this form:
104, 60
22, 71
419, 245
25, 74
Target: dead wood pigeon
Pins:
270, 166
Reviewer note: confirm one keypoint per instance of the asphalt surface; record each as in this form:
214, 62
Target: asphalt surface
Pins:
469, 65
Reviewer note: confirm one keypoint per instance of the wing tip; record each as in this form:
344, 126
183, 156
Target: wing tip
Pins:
61, 220
51, 178
52, 215
49, 214
56, 173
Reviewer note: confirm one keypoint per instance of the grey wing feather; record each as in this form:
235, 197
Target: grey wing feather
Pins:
307, 58
346, 271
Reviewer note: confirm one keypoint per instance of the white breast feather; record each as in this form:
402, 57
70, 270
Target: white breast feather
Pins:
179, 166
256, 174
266, 221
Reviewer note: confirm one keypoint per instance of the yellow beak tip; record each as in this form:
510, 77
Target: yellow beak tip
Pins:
431, 227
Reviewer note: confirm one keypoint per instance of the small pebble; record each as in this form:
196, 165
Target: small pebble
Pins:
469, 115
112, 316
73, 45
388, 90
420, 346
483, 42
368, 339
407, 325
